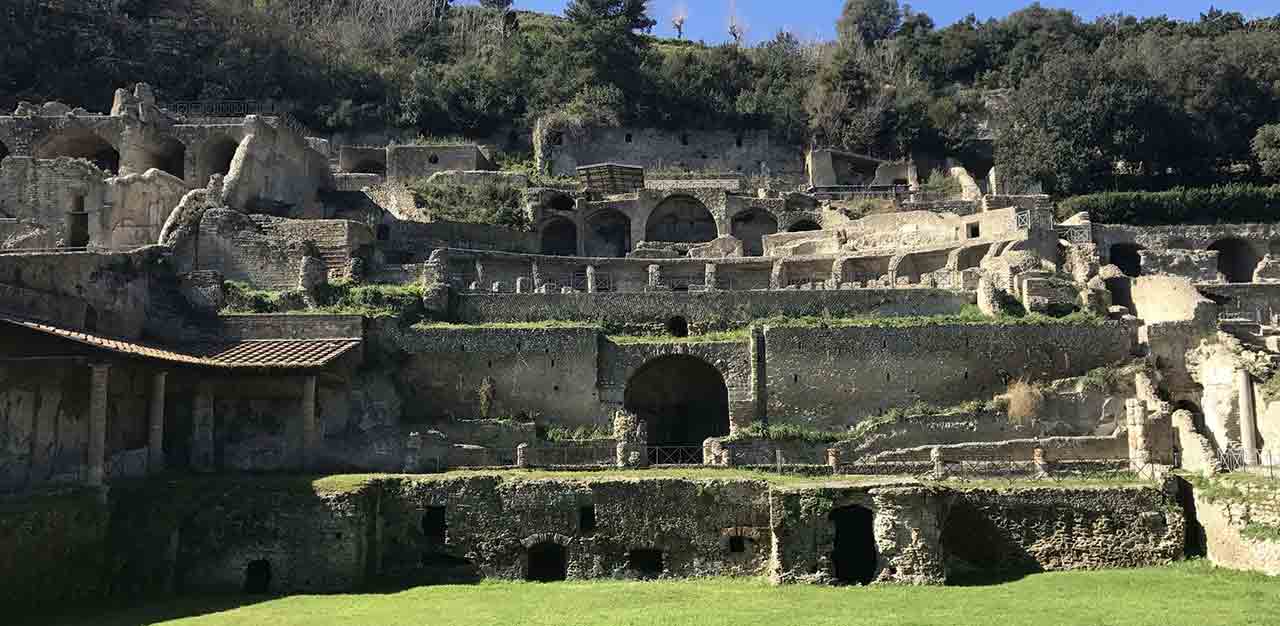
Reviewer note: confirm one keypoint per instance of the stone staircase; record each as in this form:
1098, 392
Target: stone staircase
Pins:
335, 258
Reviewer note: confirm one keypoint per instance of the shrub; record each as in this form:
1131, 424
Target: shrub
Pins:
1025, 401
1225, 204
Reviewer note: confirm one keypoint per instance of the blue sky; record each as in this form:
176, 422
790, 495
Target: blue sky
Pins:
708, 19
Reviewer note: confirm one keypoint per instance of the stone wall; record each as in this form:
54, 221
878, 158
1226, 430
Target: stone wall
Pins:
141, 203
1223, 521
405, 162
747, 152
491, 523
826, 377
117, 286
1050, 529
53, 553
550, 373
1055, 448
42, 192
267, 252
705, 310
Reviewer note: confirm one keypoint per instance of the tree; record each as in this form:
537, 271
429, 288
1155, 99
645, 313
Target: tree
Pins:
604, 43
497, 4
1266, 149
868, 21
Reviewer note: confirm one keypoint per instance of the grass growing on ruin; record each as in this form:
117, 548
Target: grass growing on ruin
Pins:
737, 334
539, 325
1191, 593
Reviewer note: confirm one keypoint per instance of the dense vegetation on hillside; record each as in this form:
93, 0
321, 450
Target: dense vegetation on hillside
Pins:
1065, 100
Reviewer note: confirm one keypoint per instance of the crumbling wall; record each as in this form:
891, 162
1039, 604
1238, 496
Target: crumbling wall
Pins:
116, 285
407, 162
491, 372
43, 192
274, 167
141, 203
1050, 529
490, 524
837, 376
748, 152
907, 531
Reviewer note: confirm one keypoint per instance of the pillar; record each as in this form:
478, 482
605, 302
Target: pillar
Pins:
1136, 420
522, 455
778, 275
98, 385
479, 271
310, 429
155, 439
1248, 418
655, 276
591, 279
202, 428
939, 463
711, 277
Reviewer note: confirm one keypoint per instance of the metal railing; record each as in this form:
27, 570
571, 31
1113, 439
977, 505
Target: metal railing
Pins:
1266, 463
1032, 218
1080, 234
574, 455
218, 109
675, 455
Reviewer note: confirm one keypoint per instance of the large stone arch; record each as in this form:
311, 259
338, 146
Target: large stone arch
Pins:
167, 154
803, 225
681, 218
681, 398
214, 157
1237, 259
559, 237
750, 226
81, 143
606, 233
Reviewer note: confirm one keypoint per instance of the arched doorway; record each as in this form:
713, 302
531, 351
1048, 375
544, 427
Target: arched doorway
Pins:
853, 553
751, 227
681, 219
682, 399
169, 155
1236, 260
216, 157
607, 233
81, 144
803, 226
561, 202
560, 238
1127, 257
546, 563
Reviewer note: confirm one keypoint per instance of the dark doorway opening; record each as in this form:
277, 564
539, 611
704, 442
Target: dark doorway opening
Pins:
370, 166
547, 563
643, 563
737, 544
803, 226
1126, 257
682, 399
681, 218
678, 327
560, 238
78, 225
4, 151
257, 576
216, 158
587, 519
751, 227
607, 233
434, 524
853, 556
1236, 260
561, 202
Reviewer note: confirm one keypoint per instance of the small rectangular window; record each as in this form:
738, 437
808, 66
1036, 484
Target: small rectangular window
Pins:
975, 230
737, 544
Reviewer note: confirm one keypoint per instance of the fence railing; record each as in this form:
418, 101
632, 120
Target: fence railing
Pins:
1265, 463
675, 455
1080, 234
216, 109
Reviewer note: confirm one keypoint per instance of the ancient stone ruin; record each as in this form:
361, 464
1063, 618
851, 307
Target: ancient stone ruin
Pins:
203, 313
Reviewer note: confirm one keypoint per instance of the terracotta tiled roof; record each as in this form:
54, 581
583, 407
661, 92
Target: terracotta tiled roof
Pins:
249, 353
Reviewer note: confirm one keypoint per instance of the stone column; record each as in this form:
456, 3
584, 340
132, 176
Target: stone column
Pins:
1136, 420
655, 277
833, 458
155, 440
778, 275
711, 278
99, 380
536, 274
202, 428
591, 279
522, 455
310, 430
1248, 418
479, 271
939, 463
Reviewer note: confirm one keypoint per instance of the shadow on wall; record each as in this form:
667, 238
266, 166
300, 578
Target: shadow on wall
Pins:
979, 552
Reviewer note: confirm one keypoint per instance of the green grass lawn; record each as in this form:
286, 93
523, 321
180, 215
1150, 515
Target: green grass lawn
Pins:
1191, 593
